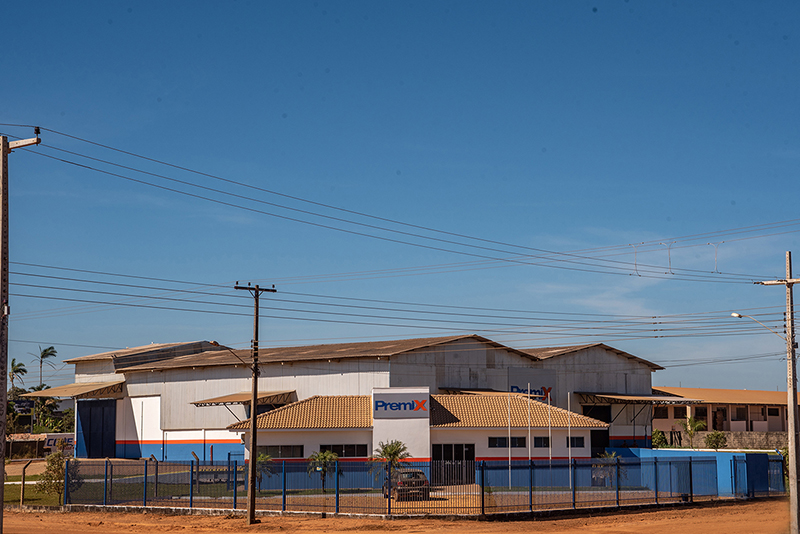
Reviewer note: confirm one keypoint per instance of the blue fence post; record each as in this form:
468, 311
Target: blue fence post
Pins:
530, 485
235, 480
573, 479
105, 484
283, 487
144, 486
616, 477
336, 476
66, 481
191, 483
691, 482
389, 491
483, 487
655, 476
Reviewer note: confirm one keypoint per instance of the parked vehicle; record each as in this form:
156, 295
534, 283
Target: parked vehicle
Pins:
408, 484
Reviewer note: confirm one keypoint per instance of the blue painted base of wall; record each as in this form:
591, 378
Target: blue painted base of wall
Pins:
179, 451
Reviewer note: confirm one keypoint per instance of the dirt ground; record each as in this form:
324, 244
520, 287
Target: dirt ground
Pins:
14, 468
762, 517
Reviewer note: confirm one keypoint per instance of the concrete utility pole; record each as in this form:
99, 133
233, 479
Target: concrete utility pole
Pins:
251, 481
791, 371
5, 310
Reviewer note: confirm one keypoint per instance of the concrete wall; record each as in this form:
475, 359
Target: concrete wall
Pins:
745, 440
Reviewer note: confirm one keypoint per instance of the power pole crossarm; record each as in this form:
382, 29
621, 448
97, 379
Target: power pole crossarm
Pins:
23, 143
789, 282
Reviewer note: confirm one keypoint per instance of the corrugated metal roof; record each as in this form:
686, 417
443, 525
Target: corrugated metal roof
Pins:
728, 396
80, 390
146, 354
368, 349
263, 397
446, 411
545, 353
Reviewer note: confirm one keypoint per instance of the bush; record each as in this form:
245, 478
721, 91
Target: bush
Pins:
716, 440
659, 439
52, 480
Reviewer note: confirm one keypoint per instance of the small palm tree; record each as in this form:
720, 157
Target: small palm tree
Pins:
392, 452
320, 462
44, 354
16, 371
388, 455
692, 426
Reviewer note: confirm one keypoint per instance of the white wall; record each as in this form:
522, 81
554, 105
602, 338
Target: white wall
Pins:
480, 438
311, 439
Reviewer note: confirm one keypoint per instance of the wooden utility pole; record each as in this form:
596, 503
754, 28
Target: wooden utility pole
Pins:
791, 372
251, 481
5, 309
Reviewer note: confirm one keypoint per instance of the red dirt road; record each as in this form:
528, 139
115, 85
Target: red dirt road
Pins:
762, 517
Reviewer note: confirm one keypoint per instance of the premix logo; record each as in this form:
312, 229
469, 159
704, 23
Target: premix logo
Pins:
411, 406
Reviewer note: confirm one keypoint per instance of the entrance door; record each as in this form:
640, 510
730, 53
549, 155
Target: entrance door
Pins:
95, 427
452, 464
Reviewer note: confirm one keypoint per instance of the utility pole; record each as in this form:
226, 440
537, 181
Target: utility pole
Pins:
5, 309
791, 371
251, 481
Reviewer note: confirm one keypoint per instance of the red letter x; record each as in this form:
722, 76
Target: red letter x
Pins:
420, 405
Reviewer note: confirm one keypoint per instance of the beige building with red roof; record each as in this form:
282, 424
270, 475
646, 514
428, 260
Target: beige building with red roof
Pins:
469, 427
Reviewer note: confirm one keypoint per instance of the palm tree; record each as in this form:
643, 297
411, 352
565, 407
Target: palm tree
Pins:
692, 426
44, 354
320, 462
392, 452
388, 456
16, 371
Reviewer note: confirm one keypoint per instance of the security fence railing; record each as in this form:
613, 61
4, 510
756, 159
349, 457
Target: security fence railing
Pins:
429, 488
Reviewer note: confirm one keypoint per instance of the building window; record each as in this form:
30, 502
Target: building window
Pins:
347, 451
541, 442
679, 412
773, 412
502, 443
575, 442
660, 412
701, 412
739, 413
281, 451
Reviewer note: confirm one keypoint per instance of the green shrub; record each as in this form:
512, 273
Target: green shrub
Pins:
716, 440
659, 439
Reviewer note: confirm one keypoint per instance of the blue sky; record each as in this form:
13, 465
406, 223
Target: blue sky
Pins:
609, 137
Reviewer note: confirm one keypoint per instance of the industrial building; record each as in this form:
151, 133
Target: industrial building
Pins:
172, 400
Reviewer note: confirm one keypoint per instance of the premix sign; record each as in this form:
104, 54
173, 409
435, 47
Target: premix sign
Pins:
401, 403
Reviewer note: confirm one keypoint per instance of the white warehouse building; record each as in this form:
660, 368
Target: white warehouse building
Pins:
172, 400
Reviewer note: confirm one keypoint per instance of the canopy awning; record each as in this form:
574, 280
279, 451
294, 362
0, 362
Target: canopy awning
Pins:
264, 397
81, 390
611, 398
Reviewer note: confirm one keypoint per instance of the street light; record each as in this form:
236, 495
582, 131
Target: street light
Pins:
791, 405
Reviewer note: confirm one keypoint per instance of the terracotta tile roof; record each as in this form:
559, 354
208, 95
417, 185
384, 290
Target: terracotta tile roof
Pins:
336, 351
491, 411
317, 412
727, 396
544, 353
446, 411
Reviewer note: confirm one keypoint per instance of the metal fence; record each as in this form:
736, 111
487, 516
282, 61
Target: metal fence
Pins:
429, 488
